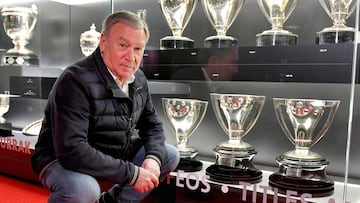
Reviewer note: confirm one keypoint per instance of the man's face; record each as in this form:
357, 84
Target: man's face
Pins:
122, 49
223, 67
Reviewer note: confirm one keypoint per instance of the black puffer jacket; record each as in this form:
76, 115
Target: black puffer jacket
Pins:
89, 121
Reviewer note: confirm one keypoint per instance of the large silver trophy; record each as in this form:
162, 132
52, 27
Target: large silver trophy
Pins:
304, 122
221, 14
177, 14
184, 116
236, 114
339, 11
276, 12
19, 24
89, 40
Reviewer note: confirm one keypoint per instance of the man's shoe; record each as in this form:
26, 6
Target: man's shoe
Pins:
106, 198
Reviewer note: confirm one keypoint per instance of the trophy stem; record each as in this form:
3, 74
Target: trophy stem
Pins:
221, 33
339, 23
177, 32
277, 27
20, 43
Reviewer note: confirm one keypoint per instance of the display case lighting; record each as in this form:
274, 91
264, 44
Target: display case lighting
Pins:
6, 3
78, 2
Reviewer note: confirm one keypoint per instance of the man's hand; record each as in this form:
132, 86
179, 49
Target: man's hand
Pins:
152, 166
146, 180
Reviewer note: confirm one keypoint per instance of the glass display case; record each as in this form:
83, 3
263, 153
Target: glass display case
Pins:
303, 141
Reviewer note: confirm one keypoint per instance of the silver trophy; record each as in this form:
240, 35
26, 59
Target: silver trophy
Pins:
5, 127
236, 114
184, 116
339, 11
276, 12
177, 14
221, 14
89, 40
4, 105
19, 24
301, 169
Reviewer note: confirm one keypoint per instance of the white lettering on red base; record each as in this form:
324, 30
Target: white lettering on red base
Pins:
192, 181
12, 144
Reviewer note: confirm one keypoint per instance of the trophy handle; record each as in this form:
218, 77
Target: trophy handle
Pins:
261, 5
202, 109
351, 10
34, 13
281, 120
334, 106
325, 7
259, 101
291, 9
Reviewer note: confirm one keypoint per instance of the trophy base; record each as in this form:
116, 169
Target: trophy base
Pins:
231, 175
20, 58
176, 43
233, 165
6, 129
335, 36
313, 187
220, 42
276, 38
302, 176
189, 165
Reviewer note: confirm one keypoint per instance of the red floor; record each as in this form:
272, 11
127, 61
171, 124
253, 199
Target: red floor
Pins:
20, 191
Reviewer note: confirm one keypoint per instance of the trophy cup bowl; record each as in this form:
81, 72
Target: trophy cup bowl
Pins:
236, 114
276, 12
19, 24
338, 11
301, 169
184, 116
221, 14
89, 40
177, 14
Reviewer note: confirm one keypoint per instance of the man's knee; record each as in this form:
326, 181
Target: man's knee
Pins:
173, 156
80, 189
